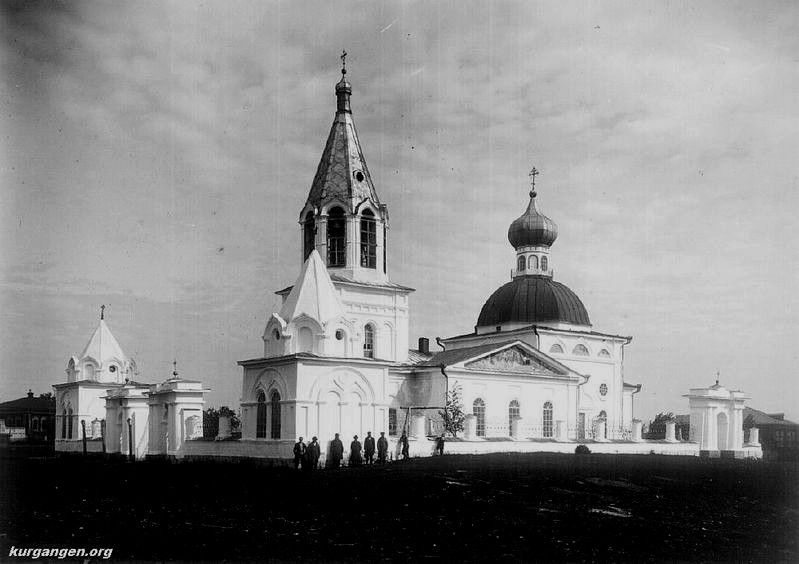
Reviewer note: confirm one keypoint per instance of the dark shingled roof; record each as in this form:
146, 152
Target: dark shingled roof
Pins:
454, 356
758, 418
533, 299
28, 404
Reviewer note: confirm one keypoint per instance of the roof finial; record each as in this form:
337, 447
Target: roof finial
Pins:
718, 375
532, 174
102, 312
343, 62
175, 368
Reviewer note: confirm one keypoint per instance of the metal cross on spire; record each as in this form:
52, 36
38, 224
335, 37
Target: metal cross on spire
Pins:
102, 312
532, 174
343, 61
718, 375
175, 368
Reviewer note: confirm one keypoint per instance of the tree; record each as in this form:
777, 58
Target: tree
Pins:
211, 420
452, 415
661, 418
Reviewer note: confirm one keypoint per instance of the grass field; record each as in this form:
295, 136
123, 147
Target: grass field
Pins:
516, 507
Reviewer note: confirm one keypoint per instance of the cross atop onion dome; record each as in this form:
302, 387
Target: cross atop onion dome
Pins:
532, 229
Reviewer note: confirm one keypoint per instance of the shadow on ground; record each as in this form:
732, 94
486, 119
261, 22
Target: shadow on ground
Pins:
531, 507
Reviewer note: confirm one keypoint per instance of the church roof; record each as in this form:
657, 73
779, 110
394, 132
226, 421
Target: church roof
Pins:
103, 346
757, 418
456, 356
29, 403
313, 294
338, 278
342, 172
533, 299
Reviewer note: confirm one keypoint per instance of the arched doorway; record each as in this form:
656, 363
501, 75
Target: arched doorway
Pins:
351, 418
723, 430
329, 417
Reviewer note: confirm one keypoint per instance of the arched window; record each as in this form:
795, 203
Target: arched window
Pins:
556, 348
88, 371
368, 240
544, 264
69, 423
479, 412
513, 413
604, 417
336, 238
547, 419
274, 423
369, 341
308, 235
64, 424
532, 262
260, 417
520, 265
580, 350
604, 353
35, 424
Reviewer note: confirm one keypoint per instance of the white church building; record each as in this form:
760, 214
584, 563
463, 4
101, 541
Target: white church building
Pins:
534, 373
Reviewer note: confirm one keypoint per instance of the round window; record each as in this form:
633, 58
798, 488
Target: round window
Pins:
339, 334
603, 389
359, 176
112, 369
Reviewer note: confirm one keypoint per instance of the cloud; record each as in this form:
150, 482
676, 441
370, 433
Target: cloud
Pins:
141, 139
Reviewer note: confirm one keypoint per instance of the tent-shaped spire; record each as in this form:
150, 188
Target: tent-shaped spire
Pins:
103, 346
313, 294
342, 173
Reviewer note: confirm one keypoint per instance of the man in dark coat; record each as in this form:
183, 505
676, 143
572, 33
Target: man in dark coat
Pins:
440, 445
299, 453
355, 452
313, 453
369, 448
382, 448
404, 444
336, 452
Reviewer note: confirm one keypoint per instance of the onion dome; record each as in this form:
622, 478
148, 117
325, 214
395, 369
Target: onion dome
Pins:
532, 229
533, 299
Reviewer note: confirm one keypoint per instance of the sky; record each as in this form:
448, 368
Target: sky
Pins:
156, 155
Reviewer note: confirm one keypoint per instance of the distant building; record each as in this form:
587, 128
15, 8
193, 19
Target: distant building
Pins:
30, 418
778, 436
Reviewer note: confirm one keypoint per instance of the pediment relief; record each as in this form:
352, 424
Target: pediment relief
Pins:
513, 359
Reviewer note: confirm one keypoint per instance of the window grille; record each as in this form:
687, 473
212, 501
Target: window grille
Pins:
368, 240
547, 420
479, 411
513, 413
275, 419
260, 417
368, 341
336, 238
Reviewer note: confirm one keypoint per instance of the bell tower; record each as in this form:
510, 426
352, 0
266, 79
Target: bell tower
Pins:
343, 218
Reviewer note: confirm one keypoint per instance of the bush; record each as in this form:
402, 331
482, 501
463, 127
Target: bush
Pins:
582, 449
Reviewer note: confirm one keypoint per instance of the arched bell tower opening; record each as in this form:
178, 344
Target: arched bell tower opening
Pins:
308, 235
343, 218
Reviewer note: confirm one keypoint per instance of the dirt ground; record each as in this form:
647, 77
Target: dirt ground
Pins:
509, 507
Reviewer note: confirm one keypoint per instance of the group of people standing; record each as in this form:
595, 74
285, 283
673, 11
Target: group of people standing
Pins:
307, 456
